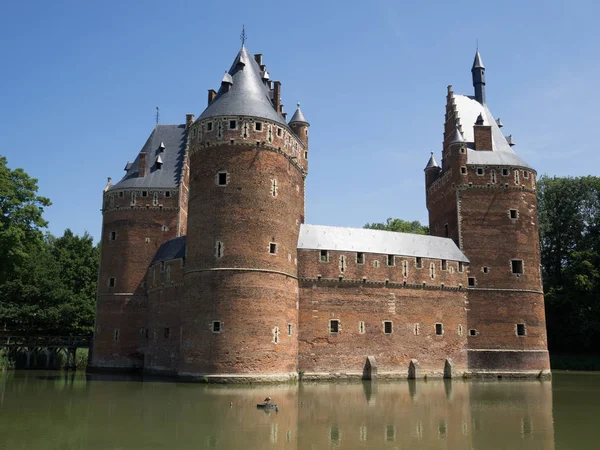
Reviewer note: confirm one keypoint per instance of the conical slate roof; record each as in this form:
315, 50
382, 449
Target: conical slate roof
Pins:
457, 137
298, 116
248, 96
477, 62
432, 163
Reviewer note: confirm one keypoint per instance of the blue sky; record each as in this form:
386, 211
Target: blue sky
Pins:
80, 82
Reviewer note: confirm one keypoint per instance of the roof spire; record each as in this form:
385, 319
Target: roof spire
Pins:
432, 163
298, 116
243, 36
478, 73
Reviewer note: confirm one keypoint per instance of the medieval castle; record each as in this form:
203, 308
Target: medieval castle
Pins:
208, 270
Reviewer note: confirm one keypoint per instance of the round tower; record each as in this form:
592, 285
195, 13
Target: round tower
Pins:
239, 312
140, 212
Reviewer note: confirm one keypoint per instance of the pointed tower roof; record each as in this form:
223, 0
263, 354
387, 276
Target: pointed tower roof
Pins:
247, 96
457, 138
298, 116
477, 62
432, 163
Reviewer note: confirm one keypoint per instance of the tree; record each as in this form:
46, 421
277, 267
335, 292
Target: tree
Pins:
21, 220
54, 290
399, 225
569, 222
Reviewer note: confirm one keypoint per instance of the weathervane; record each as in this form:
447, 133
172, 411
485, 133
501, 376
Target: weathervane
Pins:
157, 115
243, 36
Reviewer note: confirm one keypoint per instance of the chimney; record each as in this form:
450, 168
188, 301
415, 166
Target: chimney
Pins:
211, 95
258, 58
142, 164
482, 134
189, 120
277, 96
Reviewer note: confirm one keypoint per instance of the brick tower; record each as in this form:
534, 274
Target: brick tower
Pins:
239, 311
484, 197
143, 210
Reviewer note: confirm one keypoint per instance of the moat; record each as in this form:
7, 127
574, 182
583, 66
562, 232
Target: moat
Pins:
54, 410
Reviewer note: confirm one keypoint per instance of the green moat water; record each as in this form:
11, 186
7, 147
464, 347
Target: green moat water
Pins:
51, 410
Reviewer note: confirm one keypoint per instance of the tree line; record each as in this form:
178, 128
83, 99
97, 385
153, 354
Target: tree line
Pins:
47, 283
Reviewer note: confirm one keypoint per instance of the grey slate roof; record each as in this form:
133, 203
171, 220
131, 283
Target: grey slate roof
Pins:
501, 154
457, 138
174, 138
173, 249
477, 62
248, 96
320, 237
298, 116
432, 163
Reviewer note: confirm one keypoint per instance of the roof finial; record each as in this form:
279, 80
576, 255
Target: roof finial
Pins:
298, 104
243, 36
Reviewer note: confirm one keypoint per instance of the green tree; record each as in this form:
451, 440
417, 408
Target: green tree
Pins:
21, 220
399, 225
569, 222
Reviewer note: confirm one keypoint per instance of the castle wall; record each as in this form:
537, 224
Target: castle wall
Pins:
363, 299
163, 332
135, 224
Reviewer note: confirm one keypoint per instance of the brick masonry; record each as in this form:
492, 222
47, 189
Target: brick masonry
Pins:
240, 203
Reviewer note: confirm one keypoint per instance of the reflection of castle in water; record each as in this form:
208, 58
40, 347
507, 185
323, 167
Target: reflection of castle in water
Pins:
446, 415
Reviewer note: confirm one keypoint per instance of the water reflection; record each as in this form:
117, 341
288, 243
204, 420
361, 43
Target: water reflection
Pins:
39, 411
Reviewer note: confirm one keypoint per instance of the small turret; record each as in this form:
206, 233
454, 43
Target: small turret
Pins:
478, 72
457, 138
299, 125
432, 171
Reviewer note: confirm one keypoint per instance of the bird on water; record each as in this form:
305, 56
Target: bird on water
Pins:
268, 400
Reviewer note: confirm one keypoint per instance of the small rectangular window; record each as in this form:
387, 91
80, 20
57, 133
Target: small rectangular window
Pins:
279, 132
513, 213
525, 174
444, 264
471, 281
232, 124
216, 326
521, 329
324, 256
463, 170
460, 330
167, 194
390, 260
144, 193
112, 281
517, 266
480, 171
387, 327
334, 326
209, 126
360, 258
272, 248
222, 178
460, 267
116, 335
485, 269
472, 332
439, 329
121, 194
504, 172
113, 235
305, 155
258, 126
419, 262
167, 332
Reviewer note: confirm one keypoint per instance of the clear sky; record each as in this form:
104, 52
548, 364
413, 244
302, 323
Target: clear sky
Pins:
80, 82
